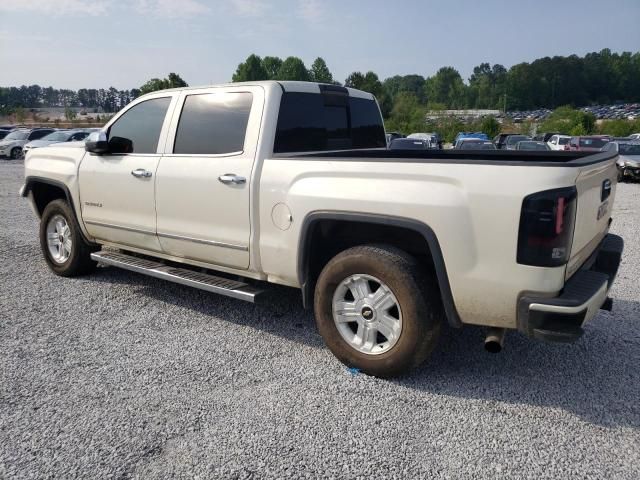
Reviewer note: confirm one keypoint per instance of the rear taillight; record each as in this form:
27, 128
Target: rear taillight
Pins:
546, 227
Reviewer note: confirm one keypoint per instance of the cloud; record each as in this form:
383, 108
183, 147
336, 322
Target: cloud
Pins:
250, 8
172, 8
57, 7
310, 10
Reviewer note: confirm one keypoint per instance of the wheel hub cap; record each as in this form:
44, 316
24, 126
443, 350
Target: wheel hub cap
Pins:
59, 241
367, 314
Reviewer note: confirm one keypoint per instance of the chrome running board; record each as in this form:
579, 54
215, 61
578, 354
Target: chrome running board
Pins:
183, 276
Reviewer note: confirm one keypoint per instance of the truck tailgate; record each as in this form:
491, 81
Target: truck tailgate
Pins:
596, 185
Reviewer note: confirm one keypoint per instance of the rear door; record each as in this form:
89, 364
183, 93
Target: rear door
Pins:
203, 182
117, 189
596, 186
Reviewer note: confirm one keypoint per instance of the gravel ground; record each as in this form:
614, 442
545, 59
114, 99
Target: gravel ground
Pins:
119, 375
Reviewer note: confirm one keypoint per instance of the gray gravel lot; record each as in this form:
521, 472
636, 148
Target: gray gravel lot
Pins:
119, 375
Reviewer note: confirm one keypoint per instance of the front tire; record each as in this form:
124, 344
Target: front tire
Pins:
377, 311
64, 249
16, 153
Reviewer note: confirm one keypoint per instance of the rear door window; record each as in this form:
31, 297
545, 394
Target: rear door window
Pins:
213, 123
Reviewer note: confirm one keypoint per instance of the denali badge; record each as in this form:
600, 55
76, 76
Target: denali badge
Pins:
93, 204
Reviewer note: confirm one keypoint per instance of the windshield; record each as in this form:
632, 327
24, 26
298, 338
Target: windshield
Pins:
563, 140
629, 149
17, 136
57, 136
593, 142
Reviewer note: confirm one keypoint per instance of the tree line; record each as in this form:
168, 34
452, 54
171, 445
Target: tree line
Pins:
597, 78
93, 99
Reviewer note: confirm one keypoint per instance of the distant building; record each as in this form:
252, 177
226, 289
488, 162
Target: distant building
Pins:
435, 114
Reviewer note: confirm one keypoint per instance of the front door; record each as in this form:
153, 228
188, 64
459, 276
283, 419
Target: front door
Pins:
117, 189
203, 181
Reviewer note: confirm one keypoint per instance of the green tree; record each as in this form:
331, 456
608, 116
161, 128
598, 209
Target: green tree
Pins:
407, 115
447, 87
271, 66
113, 97
405, 83
490, 126
293, 68
320, 72
250, 70
570, 121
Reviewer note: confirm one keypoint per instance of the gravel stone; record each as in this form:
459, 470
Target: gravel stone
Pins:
116, 375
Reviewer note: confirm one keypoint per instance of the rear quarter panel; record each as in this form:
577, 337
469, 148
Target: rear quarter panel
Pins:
474, 210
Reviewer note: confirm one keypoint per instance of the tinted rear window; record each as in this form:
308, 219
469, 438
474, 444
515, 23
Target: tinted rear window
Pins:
307, 123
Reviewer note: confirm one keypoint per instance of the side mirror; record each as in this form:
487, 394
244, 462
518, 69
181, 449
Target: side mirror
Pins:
97, 143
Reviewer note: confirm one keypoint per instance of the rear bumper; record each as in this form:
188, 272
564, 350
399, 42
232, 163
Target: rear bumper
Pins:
562, 318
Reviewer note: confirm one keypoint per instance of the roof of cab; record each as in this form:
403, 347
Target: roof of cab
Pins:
285, 85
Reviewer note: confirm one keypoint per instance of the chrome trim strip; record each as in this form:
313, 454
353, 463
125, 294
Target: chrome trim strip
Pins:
204, 242
120, 227
171, 236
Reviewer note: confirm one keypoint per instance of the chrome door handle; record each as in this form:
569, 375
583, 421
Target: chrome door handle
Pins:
141, 173
228, 178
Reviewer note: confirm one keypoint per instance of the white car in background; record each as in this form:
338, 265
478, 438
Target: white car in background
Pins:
557, 142
59, 136
11, 146
635, 136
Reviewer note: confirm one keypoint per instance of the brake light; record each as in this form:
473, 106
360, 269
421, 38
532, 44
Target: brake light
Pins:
546, 227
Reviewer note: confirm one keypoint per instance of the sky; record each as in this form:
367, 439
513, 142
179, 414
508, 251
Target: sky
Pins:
123, 43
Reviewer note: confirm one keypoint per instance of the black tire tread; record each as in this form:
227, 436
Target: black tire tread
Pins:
79, 262
421, 287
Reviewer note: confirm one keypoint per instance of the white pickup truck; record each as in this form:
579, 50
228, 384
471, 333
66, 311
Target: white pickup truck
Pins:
230, 187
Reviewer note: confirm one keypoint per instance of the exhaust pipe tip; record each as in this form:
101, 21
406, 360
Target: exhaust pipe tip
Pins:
495, 340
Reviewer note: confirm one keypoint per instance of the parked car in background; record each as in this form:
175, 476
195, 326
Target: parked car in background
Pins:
434, 139
512, 141
469, 135
409, 144
532, 145
392, 136
475, 144
635, 136
628, 162
500, 140
558, 142
59, 136
544, 137
592, 143
11, 145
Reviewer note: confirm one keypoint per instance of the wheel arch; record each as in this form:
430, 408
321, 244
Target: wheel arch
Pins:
312, 229
41, 191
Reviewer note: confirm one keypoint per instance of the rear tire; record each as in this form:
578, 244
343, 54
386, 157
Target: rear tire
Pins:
64, 249
16, 153
378, 286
